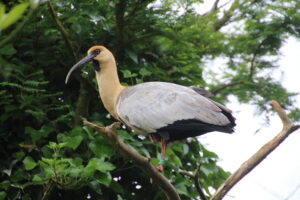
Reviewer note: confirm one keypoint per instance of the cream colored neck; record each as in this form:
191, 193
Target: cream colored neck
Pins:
109, 86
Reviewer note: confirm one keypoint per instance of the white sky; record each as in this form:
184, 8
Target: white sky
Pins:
278, 176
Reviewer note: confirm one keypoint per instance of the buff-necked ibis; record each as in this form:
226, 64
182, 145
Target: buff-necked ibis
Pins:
163, 111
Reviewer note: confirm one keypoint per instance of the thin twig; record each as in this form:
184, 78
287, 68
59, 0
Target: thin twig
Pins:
83, 100
253, 59
47, 190
227, 15
215, 6
260, 155
63, 31
142, 162
219, 89
195, 177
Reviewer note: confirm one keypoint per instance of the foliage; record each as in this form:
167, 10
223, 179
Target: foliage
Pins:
45, 155
8, 19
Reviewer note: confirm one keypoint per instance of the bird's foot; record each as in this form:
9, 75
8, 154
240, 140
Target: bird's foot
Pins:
160, 168
161, 163
152, 138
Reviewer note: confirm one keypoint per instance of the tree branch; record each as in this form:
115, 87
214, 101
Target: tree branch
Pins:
260, 155
227, 16
252, 62
63, 31
217, 90
195, 177
83, 101
142, 162
215, 6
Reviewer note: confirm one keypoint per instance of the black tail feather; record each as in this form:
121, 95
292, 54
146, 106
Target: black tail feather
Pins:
190, 128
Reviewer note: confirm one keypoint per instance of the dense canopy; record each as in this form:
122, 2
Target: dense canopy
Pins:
45, 151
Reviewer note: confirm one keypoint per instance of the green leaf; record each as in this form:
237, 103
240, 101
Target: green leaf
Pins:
88, 171
117, 187
181, 188
89, 132
209, 154
2, 11
145, 72
2, 195
18, 155
101, 149
36, 135
37, 178
74, 142
207, 168
15, 13
144, 152
4, 185
101, 165
176, 160
29, 163
8, 50
104, 179
133, 56
95, 185
185, 149
128, 74
120, 197
154, 161
54, 145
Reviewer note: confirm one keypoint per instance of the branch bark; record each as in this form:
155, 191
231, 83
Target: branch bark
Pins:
142, 162
260, 155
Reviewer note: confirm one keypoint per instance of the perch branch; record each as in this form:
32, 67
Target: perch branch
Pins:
142, 162
260, 155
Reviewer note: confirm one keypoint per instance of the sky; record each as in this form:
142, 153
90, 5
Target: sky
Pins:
277, 177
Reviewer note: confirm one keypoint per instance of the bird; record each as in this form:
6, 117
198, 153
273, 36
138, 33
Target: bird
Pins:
163, 111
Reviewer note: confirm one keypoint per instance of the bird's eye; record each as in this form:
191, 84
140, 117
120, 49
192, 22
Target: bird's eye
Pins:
97, 51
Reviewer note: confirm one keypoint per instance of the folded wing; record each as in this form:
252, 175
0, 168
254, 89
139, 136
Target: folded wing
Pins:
151, 106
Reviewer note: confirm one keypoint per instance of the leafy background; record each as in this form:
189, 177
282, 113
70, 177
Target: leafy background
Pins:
47, 154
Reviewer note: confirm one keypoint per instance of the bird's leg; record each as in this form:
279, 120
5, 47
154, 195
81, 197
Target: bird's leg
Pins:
152, 138
164, 144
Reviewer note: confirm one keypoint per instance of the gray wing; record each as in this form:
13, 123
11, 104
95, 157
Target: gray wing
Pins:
206, 93
149, 106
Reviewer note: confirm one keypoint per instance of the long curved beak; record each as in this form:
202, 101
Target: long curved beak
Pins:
83, 61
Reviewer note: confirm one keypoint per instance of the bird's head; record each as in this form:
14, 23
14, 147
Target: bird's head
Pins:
96, 54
